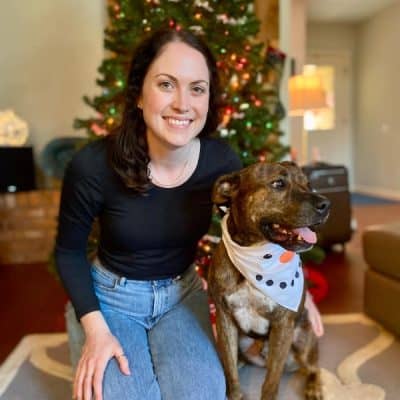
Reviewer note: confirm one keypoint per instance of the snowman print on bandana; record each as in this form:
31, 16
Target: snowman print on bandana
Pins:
269, 267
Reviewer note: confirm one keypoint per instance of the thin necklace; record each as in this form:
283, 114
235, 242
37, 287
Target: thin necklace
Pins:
179, 178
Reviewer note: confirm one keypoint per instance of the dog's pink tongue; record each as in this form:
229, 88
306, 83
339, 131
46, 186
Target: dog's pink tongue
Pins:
307, 234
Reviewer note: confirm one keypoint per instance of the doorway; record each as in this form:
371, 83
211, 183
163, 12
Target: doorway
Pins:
333, 143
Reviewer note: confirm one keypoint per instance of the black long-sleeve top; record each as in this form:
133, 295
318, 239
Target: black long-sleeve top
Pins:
142, 237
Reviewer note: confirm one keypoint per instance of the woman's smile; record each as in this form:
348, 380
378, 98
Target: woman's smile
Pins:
178, 122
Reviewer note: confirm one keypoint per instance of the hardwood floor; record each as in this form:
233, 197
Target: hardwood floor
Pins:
33, 300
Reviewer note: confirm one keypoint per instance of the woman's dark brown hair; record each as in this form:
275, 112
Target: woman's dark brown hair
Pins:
128, 150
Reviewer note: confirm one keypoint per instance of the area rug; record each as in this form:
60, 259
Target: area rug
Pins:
359, 361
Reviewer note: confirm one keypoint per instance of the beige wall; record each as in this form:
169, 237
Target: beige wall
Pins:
378, 104
50, 51
331, 37
292, 41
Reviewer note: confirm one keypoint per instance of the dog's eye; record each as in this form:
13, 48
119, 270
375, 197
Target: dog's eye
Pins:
278, 184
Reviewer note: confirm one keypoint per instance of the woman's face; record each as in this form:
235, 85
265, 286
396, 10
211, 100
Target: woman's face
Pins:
175, 95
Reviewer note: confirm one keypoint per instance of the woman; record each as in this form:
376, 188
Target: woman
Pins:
141, 304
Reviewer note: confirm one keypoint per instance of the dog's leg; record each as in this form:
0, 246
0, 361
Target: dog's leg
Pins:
313, 390
305, 349
228, 343
280, 340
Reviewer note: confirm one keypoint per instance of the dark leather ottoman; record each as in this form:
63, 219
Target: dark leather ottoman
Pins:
381, 248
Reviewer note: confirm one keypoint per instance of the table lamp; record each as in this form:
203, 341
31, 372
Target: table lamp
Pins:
306, 93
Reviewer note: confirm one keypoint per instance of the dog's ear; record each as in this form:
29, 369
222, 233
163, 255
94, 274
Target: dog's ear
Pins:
225, 187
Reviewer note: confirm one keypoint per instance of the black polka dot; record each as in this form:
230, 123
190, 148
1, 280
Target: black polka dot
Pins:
300, 265
270, 282
259, 277
267, 256
283, 285
297, 274
292, 283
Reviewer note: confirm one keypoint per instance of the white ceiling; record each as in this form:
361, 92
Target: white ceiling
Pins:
344, 10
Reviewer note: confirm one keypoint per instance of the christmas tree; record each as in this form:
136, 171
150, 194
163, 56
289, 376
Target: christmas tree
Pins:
250, 73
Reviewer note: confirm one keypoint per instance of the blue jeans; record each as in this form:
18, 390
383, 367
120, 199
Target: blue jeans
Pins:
164, 328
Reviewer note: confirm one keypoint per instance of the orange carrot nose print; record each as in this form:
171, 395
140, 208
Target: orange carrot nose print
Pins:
286, 256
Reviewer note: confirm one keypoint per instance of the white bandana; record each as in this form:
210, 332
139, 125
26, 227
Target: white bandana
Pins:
273, 270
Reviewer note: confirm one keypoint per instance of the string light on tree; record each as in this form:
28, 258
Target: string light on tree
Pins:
119, 83
234, 82
269, 125
262, 157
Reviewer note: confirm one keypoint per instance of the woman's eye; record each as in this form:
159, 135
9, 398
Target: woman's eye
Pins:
278, 184
198, 89
165, 85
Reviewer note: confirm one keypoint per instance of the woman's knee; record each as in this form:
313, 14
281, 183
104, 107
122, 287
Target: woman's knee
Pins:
213, 383
139, 385
192, 379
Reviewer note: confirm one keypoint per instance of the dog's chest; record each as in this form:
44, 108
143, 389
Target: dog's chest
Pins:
250, 308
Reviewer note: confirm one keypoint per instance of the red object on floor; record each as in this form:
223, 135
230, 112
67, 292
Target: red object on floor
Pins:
317, 283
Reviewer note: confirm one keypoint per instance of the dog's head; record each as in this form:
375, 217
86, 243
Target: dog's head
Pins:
272, 202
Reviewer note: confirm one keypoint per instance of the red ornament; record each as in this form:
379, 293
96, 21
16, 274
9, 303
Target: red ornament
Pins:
317, 284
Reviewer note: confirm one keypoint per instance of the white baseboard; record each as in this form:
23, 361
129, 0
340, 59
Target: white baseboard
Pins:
378, 192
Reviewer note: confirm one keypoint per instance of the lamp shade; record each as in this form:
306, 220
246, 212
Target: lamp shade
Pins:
306, 93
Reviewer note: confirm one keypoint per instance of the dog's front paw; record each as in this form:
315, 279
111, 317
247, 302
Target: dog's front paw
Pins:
313, 388
313, 391
235, 395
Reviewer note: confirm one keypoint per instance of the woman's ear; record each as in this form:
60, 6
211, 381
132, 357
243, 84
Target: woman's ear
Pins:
225, 188
139, 103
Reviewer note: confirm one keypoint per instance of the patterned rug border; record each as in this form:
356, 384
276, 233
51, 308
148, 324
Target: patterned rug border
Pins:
34, 347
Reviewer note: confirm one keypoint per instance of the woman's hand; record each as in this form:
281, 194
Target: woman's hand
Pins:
100, 346
314, 315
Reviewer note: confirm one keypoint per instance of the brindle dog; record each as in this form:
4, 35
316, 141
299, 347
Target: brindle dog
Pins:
274, 203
